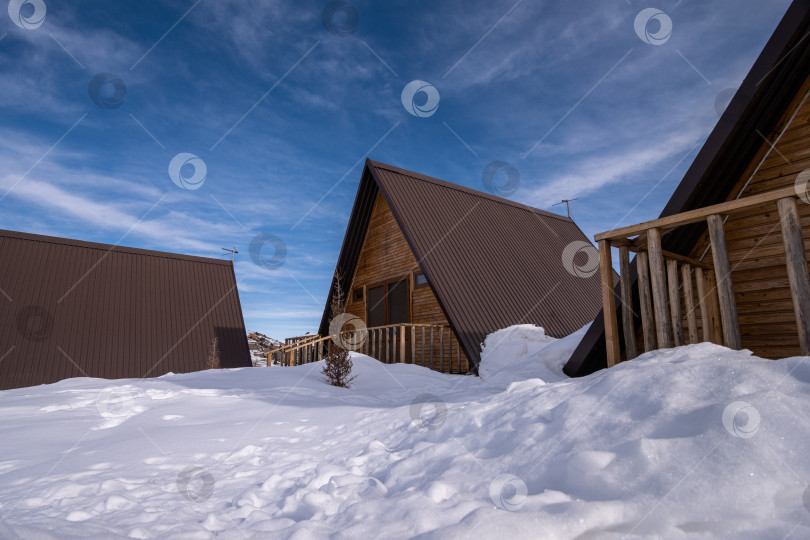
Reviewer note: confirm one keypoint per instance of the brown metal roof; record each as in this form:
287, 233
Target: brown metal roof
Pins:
759, 103
491, 262
74, 309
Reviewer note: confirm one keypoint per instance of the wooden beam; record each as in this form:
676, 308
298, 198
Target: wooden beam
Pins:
647, 323
695, 216
796, 268
663, 329
675, 303
431, 347
639, 247
609, 305
413, 345
725, 288
628, 326
709, 308
689, 299
441, 349
402, 347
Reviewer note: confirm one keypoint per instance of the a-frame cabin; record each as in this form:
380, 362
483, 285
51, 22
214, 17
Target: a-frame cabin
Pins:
458, 262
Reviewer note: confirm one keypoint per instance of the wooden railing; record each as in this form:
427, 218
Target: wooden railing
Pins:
429, 345
659, 280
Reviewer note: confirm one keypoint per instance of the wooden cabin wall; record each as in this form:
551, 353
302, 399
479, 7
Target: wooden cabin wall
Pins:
754, 238
386, 256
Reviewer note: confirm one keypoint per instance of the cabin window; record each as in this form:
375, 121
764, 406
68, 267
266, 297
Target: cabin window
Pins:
357, 295
387, 303
376, 306
419, 280
397, 302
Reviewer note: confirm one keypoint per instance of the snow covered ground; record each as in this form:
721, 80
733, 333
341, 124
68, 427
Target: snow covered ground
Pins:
693, 442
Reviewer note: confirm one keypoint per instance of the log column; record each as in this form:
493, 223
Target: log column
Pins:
796, 268
628, 326
663, 329
609, 304
647, 325
725, 289
689, 299
675, 302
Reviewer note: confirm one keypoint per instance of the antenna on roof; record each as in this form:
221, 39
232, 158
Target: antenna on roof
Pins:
233, 252
567, 205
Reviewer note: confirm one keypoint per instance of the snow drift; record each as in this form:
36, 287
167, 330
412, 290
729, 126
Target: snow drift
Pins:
692, 442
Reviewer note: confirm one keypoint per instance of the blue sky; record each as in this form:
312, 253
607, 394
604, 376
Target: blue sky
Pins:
282, 112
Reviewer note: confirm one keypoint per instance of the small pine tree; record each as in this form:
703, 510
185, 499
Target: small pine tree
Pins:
337, 364
212, 362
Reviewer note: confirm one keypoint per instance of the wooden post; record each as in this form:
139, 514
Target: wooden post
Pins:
431, 347
796, 268
645, 301
423, 346
725, 289
663, 329
441, 349
675, 302
689, 298
449, 350
647, 324
709, 307
609, 305
402, 344
628, 326
413, 345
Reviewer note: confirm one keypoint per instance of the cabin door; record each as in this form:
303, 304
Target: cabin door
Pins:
388, 304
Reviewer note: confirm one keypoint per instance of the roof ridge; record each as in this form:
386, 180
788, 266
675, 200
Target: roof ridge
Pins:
467, 190
107, 247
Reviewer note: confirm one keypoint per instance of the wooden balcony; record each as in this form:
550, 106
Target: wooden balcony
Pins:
662, 276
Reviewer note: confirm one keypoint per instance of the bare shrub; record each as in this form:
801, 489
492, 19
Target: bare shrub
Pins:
212, 362
337, 364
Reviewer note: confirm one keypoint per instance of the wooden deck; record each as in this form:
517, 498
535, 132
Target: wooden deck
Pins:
430, 345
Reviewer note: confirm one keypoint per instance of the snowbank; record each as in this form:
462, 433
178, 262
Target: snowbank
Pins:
693, 442
525, 351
